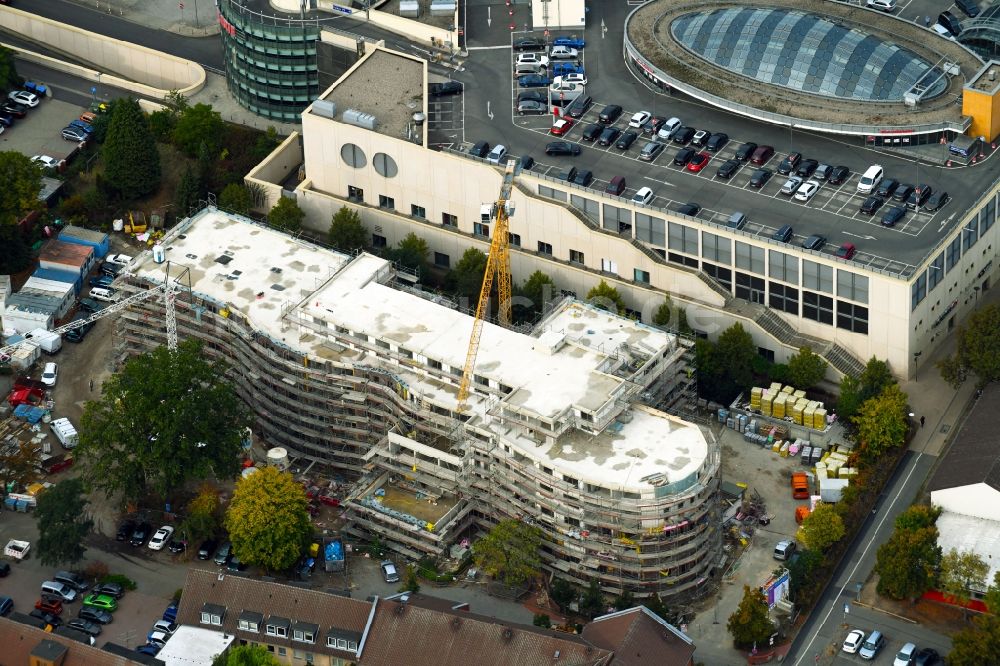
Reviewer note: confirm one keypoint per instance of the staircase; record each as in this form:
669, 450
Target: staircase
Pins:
843, 360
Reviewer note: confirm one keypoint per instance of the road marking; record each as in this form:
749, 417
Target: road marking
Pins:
489, 16
665, 182
488, 48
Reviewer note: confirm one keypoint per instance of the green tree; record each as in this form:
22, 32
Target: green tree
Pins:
542, 620
22, 181
411, 583
806, 369
606, 297
202, 519
346, 233
236, 197
961, 572
655, 605
906, 562
412, 253
509, 552
188, 192
592, 601
466, 279
977, 349
875, 378
849, 401
562, 592
286, 215
726, 367
803, 581
246, 655
533, 295
131, 158
268, 519
917, 516
882, 423
992, 598
165, 418
62, 523
196, 125
821, 528
624, 601
15, 255
663, 314
978, 645
8, 70
750, 624
682, 322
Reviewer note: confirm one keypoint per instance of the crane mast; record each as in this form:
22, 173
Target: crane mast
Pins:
497, 267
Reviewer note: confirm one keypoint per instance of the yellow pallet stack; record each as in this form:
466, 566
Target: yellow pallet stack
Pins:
796, 411
775, 387
820, 470
788, 389
783, 452
809, 415
799, 394
778, 407
755, 395
765, 403
819, 419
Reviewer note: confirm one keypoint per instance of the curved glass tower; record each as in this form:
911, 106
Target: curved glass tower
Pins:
270, 60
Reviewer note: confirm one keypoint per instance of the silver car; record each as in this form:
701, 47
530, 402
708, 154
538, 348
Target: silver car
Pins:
530, 107
791, 185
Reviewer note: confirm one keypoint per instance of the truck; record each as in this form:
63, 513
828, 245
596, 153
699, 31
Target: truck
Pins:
17, 550
25, 396
65, 432
800, 485
333, 554
49, 342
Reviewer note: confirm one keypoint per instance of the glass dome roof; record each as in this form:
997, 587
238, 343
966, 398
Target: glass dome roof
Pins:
804, 52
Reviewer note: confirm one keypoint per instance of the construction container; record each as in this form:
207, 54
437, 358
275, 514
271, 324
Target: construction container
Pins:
60, 276
98, 240
71, 257
333, 554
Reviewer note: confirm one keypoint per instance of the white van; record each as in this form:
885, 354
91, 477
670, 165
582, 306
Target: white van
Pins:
102, 294
65, 433
59, 590
870, 180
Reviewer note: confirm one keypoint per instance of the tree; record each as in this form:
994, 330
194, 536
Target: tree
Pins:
992, 598
726, 367
9, 78
22, 181
960, 573
188, 192
562, 592
411, 583
246, 655
202, 520
509, 552
655, 605
542, 620
606, 297
236, 197
196, 125
62, 523
663, 314
916, 517
906, 562
268, 519
624, 600
131, 158
412, 252
165, 418
534, 294
806, 369
849, 401
978, 645
592, 602
19, 464
682, 322
803, 582
750, 624
466, 279
821, 528
286, 215
14, 252
977, 349
347, 234
882, 423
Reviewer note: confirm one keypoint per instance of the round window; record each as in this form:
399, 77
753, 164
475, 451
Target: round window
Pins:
385, 165
353, 156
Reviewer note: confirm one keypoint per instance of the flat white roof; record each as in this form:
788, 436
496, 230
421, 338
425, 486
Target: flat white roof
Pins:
194, 646
971, 534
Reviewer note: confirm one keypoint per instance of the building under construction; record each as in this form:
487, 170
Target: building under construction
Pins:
347, 366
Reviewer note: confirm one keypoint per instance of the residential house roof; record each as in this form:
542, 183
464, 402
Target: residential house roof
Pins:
973, 456
639, 637
21, 641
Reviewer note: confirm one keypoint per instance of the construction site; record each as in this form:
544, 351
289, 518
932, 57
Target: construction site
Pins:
426, 425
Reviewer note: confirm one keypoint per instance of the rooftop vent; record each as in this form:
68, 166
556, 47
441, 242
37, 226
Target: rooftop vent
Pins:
277, 287
327, 109
360, 118
223, 259
275, 269
419, 118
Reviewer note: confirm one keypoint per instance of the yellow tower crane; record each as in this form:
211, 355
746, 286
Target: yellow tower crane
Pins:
498, 266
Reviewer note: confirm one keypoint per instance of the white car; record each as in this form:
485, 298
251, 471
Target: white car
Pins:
23, 97
667, 130
853, 641
639, 118
575, 77
791, 185
119, 259
161, 538
807, 190
905, 655
165, 627
157, 638
50, 374
532, 59
563, 53
559, 85
643, 196
942, 31
497, 154
46, 161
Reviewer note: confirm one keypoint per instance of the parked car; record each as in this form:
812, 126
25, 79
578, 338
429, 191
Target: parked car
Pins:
745, 151
717, 142
918, 197
74, 580
684, 156
24, 97
728, 168
51, 606
126, 527
737, 221
846, 251
525, 162
700, 138
968, 7
533, 81
936, 201
783, 234
823, 172
167, 628
698, 162
103, 281
87, 627
46, 162
582, 177
389, 572
666, 132
791, 185
86, 128
761, 155
530, 107
528, 44
563, 53
592, 131
905, 655
4, 572
14, 109
579, 106
806, 168
102, 601
789, 164
871, 205
6, 119
650, 151
887, 187
610, 114
626, 140
949, 22
683, 135
691, 209
927, 657
157, 638
111, 270
806, 190
872, 645
148, 649
533, 96
446, 88
639, 118
170, 613
853, 641
652, 126
74, 134
222, 555
47, 618
902, 192
90, 305
562, 148
91, 614
572, 78
571, 42
497, 155
109, 589
882, 5
839, 175
140, 535
814, 242
643, 197
760, 177
893, 216
480, 149
50, 374
537, 59
177, 546
608, 136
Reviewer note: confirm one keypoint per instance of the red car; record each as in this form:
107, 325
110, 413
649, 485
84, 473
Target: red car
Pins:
561, 126
698, 162
52, 607
846, 251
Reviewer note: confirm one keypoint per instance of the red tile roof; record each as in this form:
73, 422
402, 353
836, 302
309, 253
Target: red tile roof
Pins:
69, 254
639, 637
19, 640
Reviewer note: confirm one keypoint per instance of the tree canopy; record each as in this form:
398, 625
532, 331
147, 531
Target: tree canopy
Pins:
22, 181
750, 623
979, 645
131, 158
821, 528
592, 601
854, 391
509, 552
346, 233
62, 523
246, 655
268, 519
237, 198
286, 215
977, 350
9, 78
197, 125
14, 251
726, 367
806, 369
466, 278
906, 563
883, 422
412, 252
606, 297
165, 418
663, 313
202, 519
961, 572
533, 295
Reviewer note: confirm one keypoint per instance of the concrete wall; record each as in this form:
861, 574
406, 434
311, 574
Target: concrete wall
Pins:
413, 30
121, 64
273, 171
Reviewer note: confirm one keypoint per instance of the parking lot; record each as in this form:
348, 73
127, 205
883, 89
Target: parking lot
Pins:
38, 132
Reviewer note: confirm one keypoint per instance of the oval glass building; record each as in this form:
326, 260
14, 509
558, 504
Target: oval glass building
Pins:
804, 52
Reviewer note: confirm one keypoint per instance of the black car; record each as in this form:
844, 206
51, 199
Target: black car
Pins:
839, 175
968, 7
918, 197
892, 216
783, 234
926, 657
936, 201
871, 205
90, 305
86, 627
716, 142
902, 192
532, 96
529, 44
610, 114
887, 187
608, 136
141, 534
568, 175
47, 618
653, 125
806, 168
744, 152
125, 530
651, 151
788, 164
814, 242
526, 162
583, 177
592, 131
4, 569
177, 546
691, 209
111, 270
448, 88
530, 107
79, 333
728, 168
480, 149
760, 177
950, 23
6, 119
823, 172
683, 135
110, 589
562, 148
626, 140
684, 156
207, 549
579, 106
91, 614
14, 109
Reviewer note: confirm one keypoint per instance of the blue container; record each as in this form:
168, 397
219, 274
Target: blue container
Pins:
60, 276
98, 240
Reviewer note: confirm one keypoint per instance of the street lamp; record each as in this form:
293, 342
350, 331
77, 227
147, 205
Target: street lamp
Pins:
916, 355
